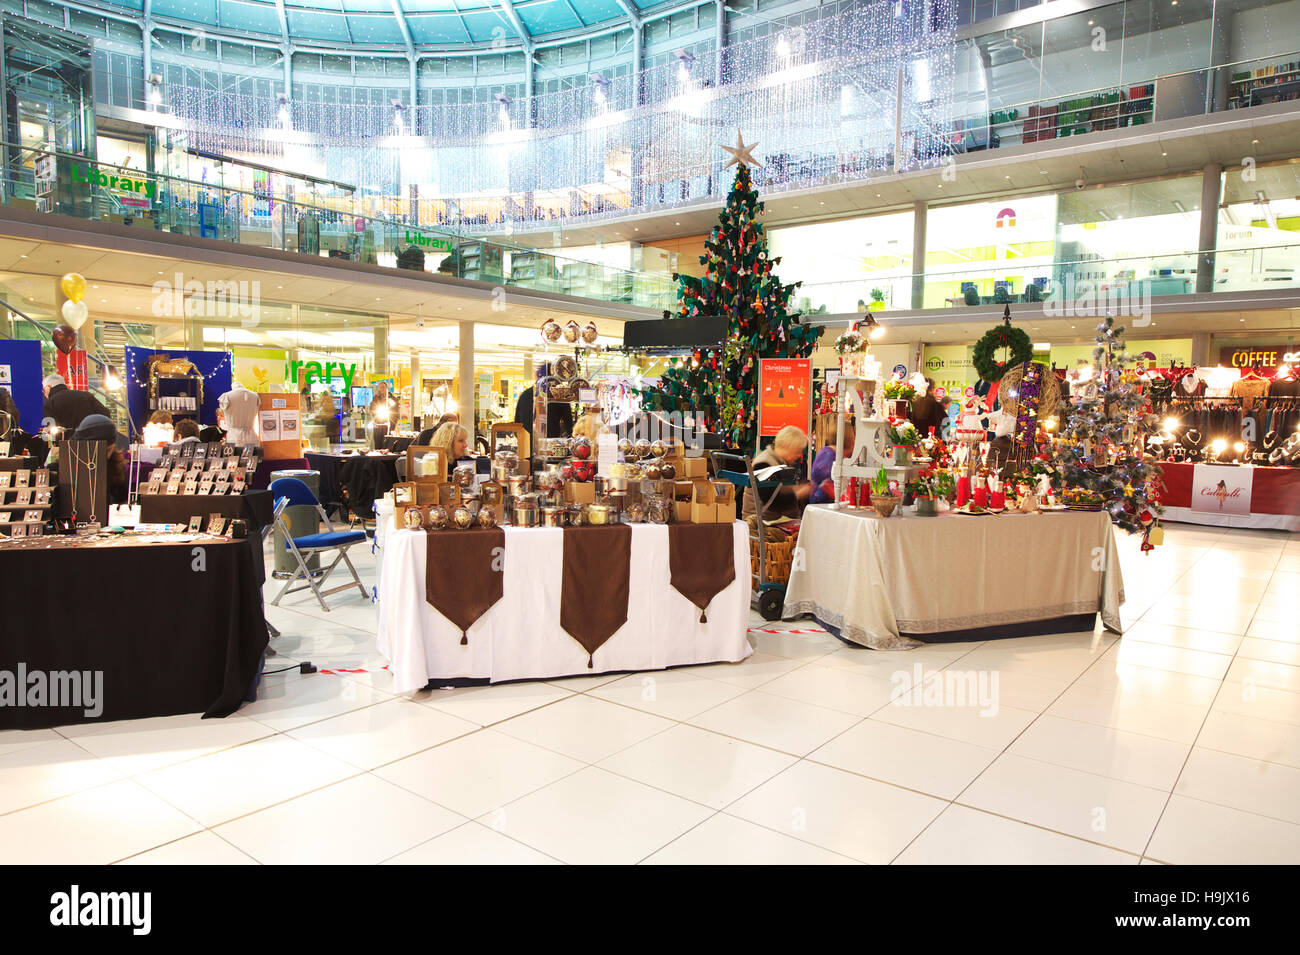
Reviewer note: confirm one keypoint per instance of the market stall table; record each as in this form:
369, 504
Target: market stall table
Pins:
881, 582
197, 648
524, 630
1251, 496
363, 477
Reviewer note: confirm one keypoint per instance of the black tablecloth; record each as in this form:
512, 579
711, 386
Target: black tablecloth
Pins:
363, 477
328, 467
92, 608
255, 507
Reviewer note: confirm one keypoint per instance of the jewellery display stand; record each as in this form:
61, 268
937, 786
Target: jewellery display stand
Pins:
24, 507
872, 449
83, 480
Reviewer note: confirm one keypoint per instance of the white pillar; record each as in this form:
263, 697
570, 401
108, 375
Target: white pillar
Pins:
466, 403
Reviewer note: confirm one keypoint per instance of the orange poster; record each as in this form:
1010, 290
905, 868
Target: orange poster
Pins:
784, 394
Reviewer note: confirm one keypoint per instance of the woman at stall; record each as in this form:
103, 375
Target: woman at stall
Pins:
786, 450
454, 439
822, 482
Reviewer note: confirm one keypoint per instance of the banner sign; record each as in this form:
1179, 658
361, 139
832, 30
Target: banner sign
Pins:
784, 394
72, 366
1222, 489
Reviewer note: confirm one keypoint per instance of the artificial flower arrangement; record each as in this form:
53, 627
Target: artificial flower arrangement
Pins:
1031, 477
899, 390
933, 483
1082, 498
904, 435
850, 341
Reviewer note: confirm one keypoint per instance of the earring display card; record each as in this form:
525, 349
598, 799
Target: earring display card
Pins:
42, 477
216, 524
4, 517
24, 496
191, 487
43, 497
5, 478
35, 530
22, 478
33, 516
196, 524
19, 530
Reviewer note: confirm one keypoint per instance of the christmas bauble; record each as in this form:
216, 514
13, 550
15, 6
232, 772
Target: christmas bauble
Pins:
590, 333
582, 448
487, 516
571, 332
436, 517
642, 448
551, 331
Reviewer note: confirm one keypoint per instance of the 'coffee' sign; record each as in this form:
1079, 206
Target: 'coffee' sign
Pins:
1255, 356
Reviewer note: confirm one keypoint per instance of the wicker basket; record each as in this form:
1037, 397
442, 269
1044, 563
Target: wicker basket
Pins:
778, 554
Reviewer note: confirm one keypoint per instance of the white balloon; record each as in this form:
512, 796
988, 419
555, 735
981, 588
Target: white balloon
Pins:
75, 313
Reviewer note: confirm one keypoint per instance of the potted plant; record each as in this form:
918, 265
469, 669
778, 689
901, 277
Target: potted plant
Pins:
877, 299
905, 439
851, 346
929, 488
883, 498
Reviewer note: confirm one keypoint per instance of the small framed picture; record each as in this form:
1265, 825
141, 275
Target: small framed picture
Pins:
22, 478
403, 494
196, 523
41, 477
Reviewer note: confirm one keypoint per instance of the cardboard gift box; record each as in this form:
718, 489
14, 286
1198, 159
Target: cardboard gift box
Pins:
704, 508
692, 467
579, 492
724, 500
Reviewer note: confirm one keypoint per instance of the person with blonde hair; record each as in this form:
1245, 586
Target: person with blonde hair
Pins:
590, 426
452, 438
786, 450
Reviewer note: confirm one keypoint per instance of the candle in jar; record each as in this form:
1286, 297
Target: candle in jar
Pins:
963, 489
980, 496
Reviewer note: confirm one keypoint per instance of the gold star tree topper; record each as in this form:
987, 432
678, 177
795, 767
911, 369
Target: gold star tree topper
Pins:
742, 154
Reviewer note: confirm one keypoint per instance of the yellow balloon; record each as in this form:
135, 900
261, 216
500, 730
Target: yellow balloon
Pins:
74, 286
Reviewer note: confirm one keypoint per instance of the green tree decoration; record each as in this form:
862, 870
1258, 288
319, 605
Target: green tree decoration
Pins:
720, 385
1104, 436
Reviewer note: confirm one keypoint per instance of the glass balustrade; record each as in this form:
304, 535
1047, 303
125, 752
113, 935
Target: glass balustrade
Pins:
97, 191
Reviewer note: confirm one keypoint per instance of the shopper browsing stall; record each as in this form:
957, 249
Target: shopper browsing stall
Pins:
66, 407
787, 450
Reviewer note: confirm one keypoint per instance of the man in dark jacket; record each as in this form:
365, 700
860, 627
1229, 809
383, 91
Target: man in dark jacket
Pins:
559, 417
928, 412
69, 408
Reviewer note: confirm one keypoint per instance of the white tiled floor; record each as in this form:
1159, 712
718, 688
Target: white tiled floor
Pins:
1179, 743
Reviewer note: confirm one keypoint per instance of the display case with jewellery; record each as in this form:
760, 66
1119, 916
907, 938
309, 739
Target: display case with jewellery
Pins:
26, 500
175, 386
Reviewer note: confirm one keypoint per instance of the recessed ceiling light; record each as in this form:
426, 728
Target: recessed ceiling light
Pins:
1255, 142
1164, 154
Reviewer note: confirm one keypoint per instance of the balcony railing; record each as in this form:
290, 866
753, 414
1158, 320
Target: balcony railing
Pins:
1062, 288
69, 185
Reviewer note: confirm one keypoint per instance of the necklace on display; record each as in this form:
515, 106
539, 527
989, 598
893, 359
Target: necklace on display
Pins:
91, 465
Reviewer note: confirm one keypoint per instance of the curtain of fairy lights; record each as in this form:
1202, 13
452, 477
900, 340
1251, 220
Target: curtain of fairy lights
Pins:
844, 98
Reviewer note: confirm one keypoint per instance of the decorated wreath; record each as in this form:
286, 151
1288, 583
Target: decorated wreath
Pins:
983, 357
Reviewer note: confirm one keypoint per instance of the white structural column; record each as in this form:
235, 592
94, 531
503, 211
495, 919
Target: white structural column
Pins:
719, 40
1211, 190
919, 209
465, 403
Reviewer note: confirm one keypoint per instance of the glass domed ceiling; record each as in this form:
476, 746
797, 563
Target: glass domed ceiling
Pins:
371, 22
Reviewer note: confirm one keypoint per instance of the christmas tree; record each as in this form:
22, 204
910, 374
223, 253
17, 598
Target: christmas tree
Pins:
1105, 433
720, 385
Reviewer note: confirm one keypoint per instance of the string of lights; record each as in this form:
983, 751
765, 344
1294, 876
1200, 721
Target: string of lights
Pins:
848, 97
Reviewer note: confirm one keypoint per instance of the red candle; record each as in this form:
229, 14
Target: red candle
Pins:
864, 494
980, 496
997, 500
851, 493
963, 490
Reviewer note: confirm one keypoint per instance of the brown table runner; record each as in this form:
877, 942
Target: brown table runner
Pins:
702, 561
596, 583
463, 573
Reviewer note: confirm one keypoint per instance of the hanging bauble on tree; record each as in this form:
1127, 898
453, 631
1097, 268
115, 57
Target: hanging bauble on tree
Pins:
984, 356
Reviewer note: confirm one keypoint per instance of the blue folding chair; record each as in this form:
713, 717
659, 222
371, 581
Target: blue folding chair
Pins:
291, 491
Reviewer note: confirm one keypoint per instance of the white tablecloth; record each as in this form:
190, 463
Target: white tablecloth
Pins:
520, 636
875, 579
